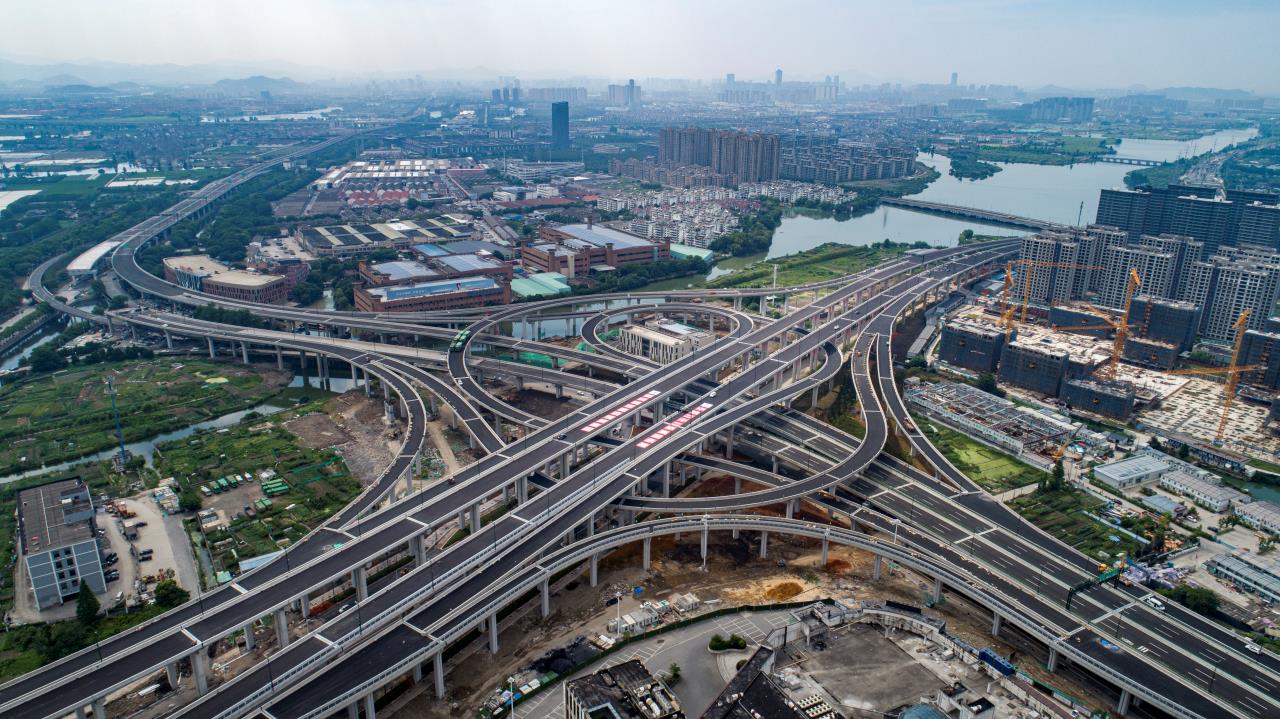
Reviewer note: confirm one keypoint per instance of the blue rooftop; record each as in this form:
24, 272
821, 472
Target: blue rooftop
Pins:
431, 250
468, 263
601, 236
437, 287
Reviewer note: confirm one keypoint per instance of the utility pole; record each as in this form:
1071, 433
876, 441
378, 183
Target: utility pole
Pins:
123, 457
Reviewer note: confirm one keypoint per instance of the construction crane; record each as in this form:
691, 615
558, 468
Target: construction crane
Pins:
1032, 265
1232, 371
1119, 325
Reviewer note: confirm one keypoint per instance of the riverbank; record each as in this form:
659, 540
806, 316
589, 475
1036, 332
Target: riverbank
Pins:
822, 263
49, 419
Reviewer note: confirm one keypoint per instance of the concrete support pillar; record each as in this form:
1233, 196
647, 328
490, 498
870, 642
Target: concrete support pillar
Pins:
200, 670
1126, 700
250, 641
522, 490
475, 518
100, 708
168, 339
360, 580
279, 358
595, 569
564, 466
1052, 665
995, 625
438, 670
80, 713
705, 532
282, 628
370, 711
546, 598
666, 480
791, 508
875, 568
728, 443
493, 633
353, 710
244, 352
417, 673
937, 590
645, 561
210, 341
825, 547
764, 545
170, 673
419, 551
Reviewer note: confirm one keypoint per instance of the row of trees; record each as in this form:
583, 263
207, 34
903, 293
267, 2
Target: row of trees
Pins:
754, 233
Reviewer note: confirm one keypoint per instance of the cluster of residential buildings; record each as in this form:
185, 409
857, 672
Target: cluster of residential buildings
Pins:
695, 225
739, 156
792, 191
669, 173
831, 161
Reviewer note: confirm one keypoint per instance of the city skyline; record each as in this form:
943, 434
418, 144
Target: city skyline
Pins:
1134, 48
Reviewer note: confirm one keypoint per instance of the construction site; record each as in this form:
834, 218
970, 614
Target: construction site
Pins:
1113, 366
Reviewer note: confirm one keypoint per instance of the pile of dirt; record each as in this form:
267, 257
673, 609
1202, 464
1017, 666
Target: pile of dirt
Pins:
782, 591
839, 567
317, 431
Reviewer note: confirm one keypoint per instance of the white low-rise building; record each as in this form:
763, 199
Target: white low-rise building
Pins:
1263, 516
1132, 472
1213, 496
663, 341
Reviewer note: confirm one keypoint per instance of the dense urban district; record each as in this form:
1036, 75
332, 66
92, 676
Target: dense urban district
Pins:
736, 398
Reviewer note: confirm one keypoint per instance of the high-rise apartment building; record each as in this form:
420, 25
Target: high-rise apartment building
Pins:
560, 125
745, 157
1240, 218
627, 95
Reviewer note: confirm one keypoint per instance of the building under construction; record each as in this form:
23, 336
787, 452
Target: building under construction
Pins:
971, 346
1151, 353
1164, 320
1036, 367
1109, 399
994, 420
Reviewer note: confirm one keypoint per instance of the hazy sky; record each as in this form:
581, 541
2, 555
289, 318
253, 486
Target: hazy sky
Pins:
1080, 43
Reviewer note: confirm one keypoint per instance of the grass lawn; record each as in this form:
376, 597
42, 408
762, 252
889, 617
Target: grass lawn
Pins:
28, 647
1062, 514
821, 263
992, 469
1265, 466
52, 418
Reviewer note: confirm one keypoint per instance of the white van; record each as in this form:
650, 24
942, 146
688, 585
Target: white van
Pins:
1154, 603
1252, 647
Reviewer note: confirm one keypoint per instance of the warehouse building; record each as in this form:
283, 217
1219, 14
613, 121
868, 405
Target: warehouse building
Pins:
58, 542
1132, 472
1034, 367
541, 284
348, 240
1213, 496
1253, 574
1109, 399
971, 346
435, 295
577, 250
1262, 516
399, 272
988, 418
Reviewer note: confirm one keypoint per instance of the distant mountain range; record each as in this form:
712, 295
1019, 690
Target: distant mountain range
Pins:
123, 75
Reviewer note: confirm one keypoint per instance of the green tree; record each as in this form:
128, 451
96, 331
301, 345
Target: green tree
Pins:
987, 383
169, 594
1197, 599
46, 359
87, 606
189, 500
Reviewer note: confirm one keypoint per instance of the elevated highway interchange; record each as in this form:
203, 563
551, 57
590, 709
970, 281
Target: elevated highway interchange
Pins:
613, 456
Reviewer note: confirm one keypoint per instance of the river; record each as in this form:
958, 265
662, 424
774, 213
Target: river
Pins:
1059, 193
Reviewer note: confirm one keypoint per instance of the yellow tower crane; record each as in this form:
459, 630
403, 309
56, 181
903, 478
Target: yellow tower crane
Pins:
1232, 371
